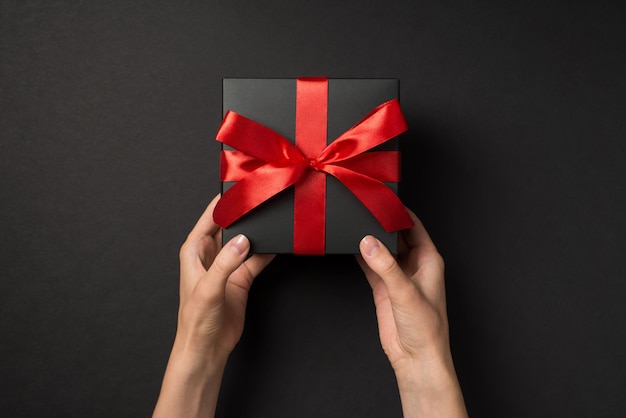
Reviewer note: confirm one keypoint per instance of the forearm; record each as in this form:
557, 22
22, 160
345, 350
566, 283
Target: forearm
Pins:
430, 391
190, 386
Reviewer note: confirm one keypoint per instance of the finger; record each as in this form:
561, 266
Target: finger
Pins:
195, 259
372, 278
243, 277
205, 225
380, 261
257, 263
211, 287
380, 294
200, 244
207, 248
199, 250
417, 236
423, 258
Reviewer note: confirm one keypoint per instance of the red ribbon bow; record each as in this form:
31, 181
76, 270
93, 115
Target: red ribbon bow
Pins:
267, 163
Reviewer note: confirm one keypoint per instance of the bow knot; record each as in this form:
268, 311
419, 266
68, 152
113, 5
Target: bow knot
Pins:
314, 164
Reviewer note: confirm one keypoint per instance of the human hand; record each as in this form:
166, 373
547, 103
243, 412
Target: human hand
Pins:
214, 285
409, 295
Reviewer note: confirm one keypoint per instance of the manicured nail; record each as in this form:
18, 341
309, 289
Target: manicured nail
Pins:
369, 245
239, 244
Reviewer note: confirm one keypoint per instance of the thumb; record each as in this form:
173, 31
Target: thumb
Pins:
380, 261
212, 285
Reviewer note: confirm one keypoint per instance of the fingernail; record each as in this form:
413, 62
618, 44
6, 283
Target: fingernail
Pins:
239, 244
369, 246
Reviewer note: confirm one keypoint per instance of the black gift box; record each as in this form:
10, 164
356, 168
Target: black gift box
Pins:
272, 102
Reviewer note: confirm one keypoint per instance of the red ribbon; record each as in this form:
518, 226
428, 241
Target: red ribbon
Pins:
267, 163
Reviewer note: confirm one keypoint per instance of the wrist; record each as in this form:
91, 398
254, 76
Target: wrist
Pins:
196, 358
429, 388
192, 382
431, 374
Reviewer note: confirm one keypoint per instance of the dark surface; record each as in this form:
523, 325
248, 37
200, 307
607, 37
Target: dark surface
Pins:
517, 150
272, 102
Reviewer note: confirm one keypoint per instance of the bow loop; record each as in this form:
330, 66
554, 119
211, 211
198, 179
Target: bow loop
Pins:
257, 140
383, 123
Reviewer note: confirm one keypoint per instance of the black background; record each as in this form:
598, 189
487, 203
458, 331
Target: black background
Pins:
515, 163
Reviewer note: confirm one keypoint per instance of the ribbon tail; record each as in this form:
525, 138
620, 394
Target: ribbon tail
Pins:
235, 165
379, 199
254, 189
